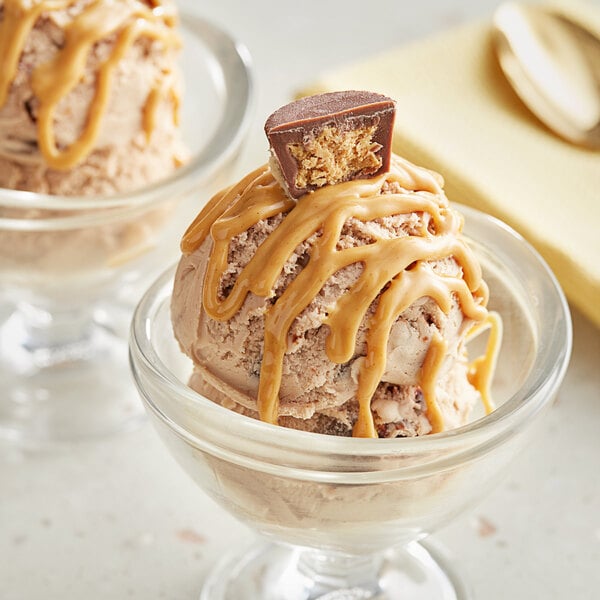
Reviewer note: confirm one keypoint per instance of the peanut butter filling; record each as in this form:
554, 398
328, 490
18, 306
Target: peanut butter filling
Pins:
127, 20
396, 272
333, 156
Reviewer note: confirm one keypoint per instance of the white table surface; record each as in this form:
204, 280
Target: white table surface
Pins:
118, 519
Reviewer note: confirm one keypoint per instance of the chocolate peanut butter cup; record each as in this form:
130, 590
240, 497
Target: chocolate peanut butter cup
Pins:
330, 138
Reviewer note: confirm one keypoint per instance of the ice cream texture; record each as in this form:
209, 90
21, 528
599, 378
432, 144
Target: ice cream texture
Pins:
89, 95
344, 311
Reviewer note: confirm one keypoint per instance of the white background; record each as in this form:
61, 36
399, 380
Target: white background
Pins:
118, 519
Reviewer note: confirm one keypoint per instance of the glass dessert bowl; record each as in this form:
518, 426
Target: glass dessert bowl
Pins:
344, 516
72, 268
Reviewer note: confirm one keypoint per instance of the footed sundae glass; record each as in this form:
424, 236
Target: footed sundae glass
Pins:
72, 268
343, 518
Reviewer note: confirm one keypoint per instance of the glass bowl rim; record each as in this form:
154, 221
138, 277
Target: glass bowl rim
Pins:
532, 396
230, 131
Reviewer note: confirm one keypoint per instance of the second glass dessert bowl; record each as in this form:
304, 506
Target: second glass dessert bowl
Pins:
344, 516
72, 268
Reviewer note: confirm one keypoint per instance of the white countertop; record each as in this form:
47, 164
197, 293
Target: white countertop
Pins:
118, 519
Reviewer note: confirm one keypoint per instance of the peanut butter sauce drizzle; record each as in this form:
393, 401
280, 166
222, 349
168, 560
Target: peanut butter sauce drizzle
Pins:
438, 347
162, 89
52, 81
385, 263
482, 368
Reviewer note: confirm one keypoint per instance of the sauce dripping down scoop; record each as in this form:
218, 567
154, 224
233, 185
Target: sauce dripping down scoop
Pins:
332, 172
121, 23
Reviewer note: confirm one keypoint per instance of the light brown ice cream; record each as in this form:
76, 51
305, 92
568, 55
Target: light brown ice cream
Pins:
89, 103
382, 337
89, 95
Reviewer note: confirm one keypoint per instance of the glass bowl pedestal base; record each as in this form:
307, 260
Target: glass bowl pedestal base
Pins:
278, 572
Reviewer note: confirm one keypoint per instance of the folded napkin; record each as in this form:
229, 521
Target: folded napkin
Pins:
458, 115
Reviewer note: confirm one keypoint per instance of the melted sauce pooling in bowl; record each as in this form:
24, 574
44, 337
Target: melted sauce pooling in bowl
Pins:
396, 272
127, 20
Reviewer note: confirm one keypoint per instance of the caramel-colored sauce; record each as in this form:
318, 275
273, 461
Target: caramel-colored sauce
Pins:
164, 88
128, 20
482, 368
428, 377
396, 271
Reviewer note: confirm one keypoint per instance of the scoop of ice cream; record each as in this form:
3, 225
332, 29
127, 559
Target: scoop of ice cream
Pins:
403, 233
88, 95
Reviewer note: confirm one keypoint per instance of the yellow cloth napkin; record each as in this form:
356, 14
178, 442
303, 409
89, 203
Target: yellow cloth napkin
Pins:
459, 116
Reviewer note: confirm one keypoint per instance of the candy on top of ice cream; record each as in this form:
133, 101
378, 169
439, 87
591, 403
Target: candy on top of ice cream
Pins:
84, 24
409, 250
350, 137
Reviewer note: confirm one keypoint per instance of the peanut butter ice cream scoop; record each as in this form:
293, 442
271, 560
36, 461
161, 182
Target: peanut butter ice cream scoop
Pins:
89, 95
342, 306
